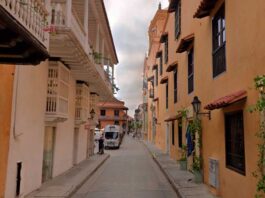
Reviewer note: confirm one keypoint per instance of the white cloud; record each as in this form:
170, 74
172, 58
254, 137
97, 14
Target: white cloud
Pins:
129, 21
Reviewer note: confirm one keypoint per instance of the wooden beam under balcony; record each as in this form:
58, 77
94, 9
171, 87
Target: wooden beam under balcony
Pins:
17, 44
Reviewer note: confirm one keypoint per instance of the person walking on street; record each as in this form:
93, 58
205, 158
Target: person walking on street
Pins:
101, 145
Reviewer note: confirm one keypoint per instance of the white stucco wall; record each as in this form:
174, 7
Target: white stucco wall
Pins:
28, 116
82, 144
63, 151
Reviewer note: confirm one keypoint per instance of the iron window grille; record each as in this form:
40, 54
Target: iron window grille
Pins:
178, 20
180, 133
234, 141
166, 95
219, 42
161, 64
173, 134
190, 71
156, 73
116, 112
102, 112
166, 49
175, 85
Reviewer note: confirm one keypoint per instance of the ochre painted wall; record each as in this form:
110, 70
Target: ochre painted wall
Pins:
244, 60
6, 91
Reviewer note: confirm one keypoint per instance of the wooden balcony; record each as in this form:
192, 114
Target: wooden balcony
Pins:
24, 39
57, 92
112, 118
82, 103
70, 43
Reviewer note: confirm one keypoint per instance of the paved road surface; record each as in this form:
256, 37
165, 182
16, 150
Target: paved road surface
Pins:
129, 173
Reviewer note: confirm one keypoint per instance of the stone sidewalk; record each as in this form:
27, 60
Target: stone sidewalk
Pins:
181, 181
66, 184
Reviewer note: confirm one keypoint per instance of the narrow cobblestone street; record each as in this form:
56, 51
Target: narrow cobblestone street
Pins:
130, 172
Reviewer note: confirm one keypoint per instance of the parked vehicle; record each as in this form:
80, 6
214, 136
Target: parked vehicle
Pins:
113, 136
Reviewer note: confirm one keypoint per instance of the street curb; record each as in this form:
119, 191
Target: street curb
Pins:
77, 187
170, 180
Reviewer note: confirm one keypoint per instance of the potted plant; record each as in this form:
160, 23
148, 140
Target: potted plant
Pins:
196, 169
183, 159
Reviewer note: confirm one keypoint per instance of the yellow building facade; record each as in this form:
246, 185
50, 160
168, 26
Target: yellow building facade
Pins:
206, 49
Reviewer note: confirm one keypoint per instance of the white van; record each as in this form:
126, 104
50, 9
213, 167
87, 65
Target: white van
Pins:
112, 136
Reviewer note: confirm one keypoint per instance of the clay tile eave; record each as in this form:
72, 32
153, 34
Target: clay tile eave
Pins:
164, 80
163, 37
172, 66
226, 100
158, 54
204, 8
154, 67
173, 117
156, 99
172, 5
185, 43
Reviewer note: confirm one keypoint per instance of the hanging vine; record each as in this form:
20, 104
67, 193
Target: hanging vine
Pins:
260, 107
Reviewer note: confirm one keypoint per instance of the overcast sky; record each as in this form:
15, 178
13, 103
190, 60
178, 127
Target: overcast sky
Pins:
129, 21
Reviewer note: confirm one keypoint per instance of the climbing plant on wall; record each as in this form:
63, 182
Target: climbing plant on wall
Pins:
260, 107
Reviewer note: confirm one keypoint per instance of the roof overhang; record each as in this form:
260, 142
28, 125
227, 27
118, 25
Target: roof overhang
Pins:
155, 67
172, 66
173, 5
173, 117
159, 54
204, 8
151, 78
185, 43
155, 99
164, 80
227, 100
163, 37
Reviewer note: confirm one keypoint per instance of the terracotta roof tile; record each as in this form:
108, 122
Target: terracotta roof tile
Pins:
172, 5
156, 99
154, 67
173, 117
227, 100
172, 66
204, 8
185, 43
164, 80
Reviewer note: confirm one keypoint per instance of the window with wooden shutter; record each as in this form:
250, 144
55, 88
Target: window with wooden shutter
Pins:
234, 141
219, 42
190, 71
178, 20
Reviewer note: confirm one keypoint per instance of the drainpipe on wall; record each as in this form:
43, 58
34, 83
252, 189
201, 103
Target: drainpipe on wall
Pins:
16, 87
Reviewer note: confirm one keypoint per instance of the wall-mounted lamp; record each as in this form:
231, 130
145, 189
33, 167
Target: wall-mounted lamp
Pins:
92, 114
196, 103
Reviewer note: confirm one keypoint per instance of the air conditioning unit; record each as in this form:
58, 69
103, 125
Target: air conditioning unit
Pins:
214, 172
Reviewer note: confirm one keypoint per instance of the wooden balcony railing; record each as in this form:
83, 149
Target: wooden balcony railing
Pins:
31, 14
57, 92
82, 103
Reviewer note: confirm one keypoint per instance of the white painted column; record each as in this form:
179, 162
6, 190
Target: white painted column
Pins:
68, 12
86, 24
113, 74
97, 41
102, 51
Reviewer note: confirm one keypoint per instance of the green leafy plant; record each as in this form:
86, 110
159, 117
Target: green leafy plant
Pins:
196, 166
260, 107
183, 153
195, 127
183, 112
